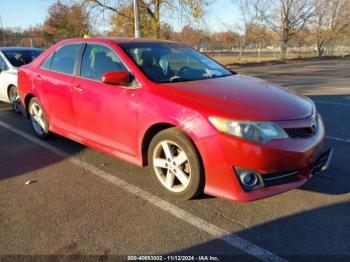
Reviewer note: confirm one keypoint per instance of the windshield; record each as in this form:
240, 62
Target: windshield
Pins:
17, 58
170, 62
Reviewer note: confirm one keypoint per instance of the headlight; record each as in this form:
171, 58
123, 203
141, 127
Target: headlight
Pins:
261, 132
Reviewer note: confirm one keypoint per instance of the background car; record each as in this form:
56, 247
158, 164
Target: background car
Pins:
198, 125
11, 59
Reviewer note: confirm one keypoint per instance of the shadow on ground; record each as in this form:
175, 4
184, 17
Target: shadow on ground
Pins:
19, 156
321, 233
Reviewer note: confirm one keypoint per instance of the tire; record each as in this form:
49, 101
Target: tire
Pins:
14, 99
38, 119
176, 165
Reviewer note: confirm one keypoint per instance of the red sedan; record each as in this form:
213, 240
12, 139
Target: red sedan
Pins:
201, 127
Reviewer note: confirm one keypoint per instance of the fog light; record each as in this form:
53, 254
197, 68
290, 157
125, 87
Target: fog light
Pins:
249, 179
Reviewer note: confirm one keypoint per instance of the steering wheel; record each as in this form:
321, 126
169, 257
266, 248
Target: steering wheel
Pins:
175, 79
182, 70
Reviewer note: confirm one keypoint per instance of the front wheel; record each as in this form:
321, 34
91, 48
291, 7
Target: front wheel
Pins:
176, 165
14, 99
38, 119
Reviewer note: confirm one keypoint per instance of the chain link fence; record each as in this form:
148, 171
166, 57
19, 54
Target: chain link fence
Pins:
262, 53
44, 41
225, 53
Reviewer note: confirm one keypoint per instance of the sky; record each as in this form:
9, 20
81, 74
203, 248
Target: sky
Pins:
25, 13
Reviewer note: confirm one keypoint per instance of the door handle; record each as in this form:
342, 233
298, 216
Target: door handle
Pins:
77, 88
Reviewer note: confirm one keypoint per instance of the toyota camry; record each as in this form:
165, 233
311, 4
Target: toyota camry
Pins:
199, 126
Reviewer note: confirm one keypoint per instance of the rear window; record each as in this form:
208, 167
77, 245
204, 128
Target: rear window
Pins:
19, 58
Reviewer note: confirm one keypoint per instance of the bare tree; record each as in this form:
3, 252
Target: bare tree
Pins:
250, 19
153, 8
286, 17
100, 12
331, 21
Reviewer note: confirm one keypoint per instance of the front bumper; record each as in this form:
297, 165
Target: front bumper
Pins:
222, 153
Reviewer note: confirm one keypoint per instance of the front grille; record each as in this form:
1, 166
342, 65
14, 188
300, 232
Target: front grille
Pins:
279, 178
303, 132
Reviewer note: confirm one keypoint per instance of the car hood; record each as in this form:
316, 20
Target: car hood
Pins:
242, 97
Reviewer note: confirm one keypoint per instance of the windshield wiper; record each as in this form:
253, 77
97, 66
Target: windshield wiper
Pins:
217, 76
175, 79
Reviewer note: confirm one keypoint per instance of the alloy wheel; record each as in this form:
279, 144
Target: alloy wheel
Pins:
14, 99
37, 118
172, 166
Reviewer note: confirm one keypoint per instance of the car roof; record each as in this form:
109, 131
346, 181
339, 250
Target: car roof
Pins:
13, 48
118, 40
136, 40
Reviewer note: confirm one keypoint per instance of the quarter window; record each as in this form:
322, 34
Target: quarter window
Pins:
97, 60
64, 59
47, 63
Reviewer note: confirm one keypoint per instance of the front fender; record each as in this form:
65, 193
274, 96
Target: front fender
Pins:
156, 110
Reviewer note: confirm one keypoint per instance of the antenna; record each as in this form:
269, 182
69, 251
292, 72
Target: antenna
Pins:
3, 31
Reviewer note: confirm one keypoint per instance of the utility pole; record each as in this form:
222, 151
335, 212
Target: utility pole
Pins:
31, 41
3, 31
137, 19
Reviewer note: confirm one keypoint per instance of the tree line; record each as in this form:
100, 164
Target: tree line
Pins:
319, 23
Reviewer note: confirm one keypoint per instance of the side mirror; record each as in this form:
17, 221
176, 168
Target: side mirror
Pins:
120, 77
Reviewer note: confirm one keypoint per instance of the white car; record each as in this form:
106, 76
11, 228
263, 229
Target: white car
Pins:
11, 58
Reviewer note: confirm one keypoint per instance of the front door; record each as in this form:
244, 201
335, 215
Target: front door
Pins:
105, 114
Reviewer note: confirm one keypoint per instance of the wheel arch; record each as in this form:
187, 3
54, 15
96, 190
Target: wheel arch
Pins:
152, 131
8, 90
26, 102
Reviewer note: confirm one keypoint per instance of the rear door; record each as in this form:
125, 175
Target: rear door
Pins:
53, 80
105, 114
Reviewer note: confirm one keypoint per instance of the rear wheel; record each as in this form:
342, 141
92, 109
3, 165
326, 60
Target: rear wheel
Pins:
14, 99
175, 164
38, 119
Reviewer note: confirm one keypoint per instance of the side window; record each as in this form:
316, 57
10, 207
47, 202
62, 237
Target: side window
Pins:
64, 59
97, 60
47, 63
